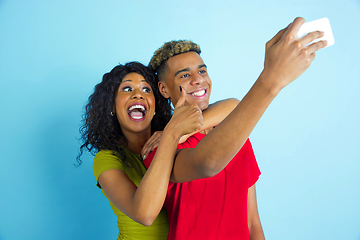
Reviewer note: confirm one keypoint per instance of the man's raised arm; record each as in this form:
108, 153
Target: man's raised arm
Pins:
286, 58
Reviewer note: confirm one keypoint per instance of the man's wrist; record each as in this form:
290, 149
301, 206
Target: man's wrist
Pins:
269, 83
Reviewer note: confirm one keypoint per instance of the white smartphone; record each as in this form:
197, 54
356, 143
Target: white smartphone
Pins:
322, 24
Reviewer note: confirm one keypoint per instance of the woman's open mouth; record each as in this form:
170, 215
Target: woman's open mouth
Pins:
137, 112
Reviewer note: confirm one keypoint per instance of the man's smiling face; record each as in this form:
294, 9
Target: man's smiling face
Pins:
188, 71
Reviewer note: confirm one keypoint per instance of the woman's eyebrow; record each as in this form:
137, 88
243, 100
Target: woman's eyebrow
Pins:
129, 80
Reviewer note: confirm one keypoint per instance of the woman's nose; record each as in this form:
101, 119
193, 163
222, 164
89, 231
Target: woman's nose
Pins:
137, 94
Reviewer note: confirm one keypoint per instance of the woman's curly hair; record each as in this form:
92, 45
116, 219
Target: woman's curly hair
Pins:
170, 49
100, 130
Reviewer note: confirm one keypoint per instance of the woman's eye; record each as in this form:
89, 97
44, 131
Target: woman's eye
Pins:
126, 89
146, 90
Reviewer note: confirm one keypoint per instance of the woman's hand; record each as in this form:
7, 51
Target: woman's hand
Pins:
186, 118
151, 144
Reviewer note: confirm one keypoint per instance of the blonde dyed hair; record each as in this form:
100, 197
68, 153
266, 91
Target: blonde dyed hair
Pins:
170, 49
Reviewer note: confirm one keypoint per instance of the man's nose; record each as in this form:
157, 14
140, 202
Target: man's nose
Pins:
197, 79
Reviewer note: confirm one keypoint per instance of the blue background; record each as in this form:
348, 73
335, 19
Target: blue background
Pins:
52, 53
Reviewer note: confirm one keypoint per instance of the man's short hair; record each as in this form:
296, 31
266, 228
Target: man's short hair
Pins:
170, 49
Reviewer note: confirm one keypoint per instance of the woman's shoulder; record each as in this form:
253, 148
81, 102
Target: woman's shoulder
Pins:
105, 153
107, 159
128, 162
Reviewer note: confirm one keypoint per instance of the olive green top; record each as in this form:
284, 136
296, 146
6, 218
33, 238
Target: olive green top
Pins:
135, 170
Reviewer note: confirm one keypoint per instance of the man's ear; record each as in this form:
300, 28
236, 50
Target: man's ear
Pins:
163, 89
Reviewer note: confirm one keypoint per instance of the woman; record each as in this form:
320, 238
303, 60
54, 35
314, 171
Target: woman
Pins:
122, 113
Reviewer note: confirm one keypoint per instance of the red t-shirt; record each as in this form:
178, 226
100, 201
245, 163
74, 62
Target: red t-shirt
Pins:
216, 207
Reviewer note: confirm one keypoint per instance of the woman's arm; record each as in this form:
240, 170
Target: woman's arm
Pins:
214, 115
143, 203
218, 111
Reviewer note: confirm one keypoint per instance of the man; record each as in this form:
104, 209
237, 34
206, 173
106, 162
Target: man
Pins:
212, 193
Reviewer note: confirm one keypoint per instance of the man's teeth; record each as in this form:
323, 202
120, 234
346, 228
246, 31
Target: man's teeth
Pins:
198, 93
137, 106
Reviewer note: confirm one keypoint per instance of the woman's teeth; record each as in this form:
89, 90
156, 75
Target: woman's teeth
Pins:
137, 112
141, 107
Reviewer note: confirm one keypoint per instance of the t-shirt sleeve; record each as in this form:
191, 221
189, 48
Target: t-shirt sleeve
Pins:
254, 171
105, 160
191, 142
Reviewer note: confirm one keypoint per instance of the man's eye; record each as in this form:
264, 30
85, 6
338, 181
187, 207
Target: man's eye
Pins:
185, 75
146, 90
126, 89
202, 71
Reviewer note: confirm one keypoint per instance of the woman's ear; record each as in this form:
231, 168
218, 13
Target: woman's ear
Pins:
113, 111
163, 89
